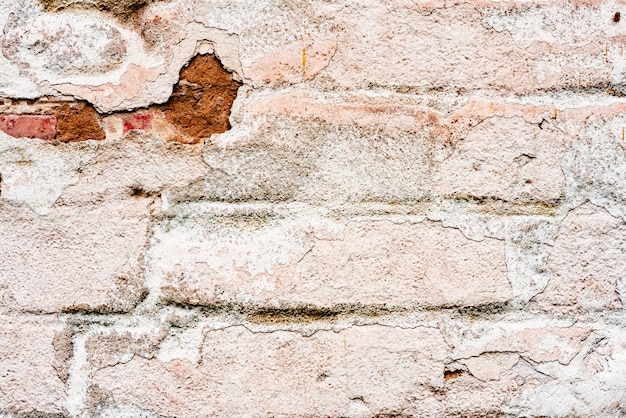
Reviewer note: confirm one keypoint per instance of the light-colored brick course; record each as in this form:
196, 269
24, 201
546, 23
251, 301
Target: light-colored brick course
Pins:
361, 263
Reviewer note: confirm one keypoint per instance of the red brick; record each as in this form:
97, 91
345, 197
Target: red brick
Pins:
29, 126
139, 122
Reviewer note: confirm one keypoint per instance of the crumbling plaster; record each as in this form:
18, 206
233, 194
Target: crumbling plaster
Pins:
312, 208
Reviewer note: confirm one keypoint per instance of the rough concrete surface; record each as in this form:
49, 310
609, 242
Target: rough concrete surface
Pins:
304, 208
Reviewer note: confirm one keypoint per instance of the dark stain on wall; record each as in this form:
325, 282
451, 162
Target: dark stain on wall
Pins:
125, 11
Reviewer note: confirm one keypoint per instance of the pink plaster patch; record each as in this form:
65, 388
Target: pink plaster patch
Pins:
141, 122
29, 126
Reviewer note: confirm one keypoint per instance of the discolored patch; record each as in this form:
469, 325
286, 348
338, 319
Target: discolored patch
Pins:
124, 10
63, 352
97, 398
137, 122
453, 374
201, 102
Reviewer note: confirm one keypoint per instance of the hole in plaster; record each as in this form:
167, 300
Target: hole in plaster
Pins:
201, 102
452, 374
199, 106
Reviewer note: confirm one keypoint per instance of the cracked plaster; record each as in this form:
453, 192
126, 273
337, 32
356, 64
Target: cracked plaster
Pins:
363, 134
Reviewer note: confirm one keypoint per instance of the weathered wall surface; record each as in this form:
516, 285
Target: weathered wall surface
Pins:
310, 208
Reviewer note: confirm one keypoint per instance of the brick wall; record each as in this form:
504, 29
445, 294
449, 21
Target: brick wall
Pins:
291, 208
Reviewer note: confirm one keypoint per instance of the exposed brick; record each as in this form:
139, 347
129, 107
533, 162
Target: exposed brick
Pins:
29, 384
137, 121
69, 122
198, 107
78, 121
29, 126
201, 101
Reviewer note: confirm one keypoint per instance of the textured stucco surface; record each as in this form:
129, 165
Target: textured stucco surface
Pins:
303, 208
